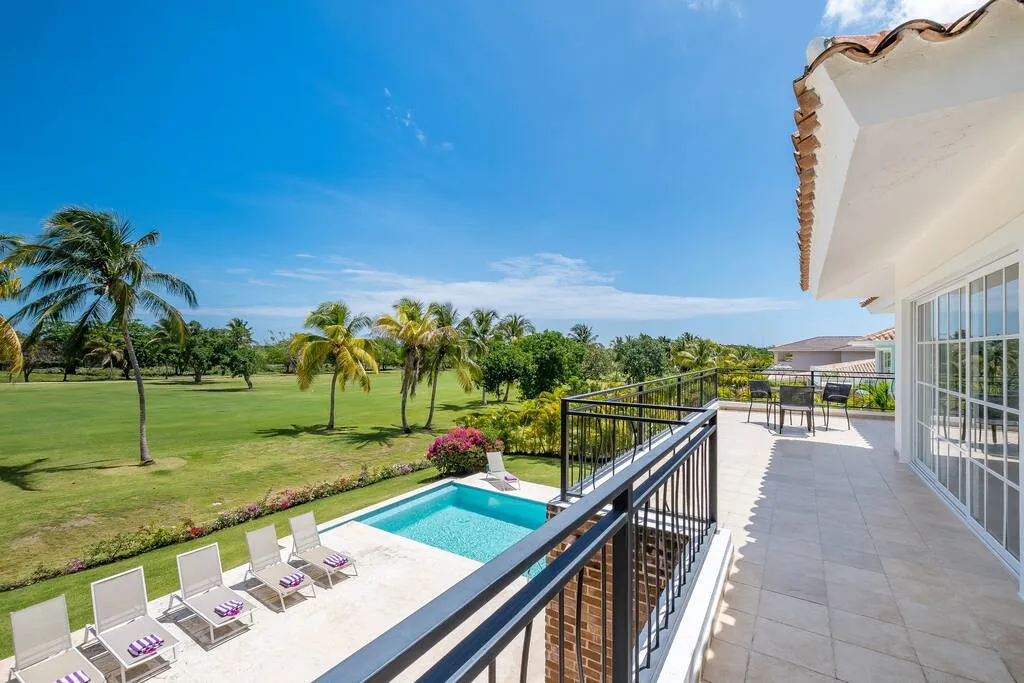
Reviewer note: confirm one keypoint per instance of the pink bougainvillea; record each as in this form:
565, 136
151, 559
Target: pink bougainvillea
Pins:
462, 450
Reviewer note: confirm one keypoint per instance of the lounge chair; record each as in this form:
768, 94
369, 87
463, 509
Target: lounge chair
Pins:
42, 645
265, 564
203, 591
496, 471
306, 546
119, 608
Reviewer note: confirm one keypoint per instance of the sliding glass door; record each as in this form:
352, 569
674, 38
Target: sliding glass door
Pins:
967, 405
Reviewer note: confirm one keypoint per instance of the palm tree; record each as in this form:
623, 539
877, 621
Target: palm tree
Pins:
169, 340
412, 328
240, 332
349, 355
106, 347
584, 334
448, 348
702, 353
515, 326
91, 267
480, 329
10, 286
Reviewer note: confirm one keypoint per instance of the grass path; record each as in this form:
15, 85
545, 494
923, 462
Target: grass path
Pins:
69, 453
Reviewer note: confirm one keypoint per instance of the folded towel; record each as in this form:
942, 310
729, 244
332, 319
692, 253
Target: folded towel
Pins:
146, 645
334, 560
228, 608
509, 477
74, 677
293, 580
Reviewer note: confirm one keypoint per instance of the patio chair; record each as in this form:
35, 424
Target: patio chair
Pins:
761, 389
835, 394
496, 471
306, 546
42, 645
265, 564
203, 591
796, 399
122, 621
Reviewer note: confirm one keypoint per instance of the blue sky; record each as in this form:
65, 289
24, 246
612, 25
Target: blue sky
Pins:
626, 164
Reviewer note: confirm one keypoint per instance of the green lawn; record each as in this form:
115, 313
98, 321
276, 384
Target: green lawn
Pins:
69, 452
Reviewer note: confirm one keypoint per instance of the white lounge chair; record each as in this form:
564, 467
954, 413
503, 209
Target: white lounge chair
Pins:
496, 471
306, 546
42, 645
265, 564
203, 590
119, 608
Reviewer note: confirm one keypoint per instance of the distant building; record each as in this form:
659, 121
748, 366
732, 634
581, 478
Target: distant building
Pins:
818, 351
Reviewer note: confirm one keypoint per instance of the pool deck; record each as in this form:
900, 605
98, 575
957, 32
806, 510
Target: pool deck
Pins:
396, 577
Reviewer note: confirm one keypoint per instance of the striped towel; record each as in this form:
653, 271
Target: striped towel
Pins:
74, 677
293, 580
145, 646
228, 608
335, 560
509, 477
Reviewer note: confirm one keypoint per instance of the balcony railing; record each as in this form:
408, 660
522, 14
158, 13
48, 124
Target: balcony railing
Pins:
621, 558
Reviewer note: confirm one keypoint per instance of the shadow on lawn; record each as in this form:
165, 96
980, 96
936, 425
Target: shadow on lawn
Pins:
19, 475
370, 436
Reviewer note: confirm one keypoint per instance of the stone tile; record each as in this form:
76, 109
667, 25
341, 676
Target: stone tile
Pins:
882, 636
724, 663
935, 676
908, 569
1007, 638
845, 554
803, 648
960, 659
866, 603
903, 551
786, 609
735, 627
852, 576
786, 547
744, 571
858, 665
740, 596
799, 580
905, 536
950, 618
766, 669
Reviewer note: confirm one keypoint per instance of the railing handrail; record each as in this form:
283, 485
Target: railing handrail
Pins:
645, 384
400, 646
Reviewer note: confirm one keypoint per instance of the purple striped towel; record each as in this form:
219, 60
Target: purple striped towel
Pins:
293, 580
509, 477
74, 677
145, 646
334, 560
228, 608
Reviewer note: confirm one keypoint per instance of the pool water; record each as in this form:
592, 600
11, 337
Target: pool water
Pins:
464, 520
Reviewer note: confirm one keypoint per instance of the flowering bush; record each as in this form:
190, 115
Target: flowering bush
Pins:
148, 538
461, 451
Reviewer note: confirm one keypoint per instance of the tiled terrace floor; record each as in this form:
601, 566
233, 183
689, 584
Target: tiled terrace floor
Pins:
849, 568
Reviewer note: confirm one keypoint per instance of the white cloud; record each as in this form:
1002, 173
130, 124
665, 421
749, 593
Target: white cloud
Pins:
878, 14
262, 283
408, 120
236, 271
714, 5
306, 274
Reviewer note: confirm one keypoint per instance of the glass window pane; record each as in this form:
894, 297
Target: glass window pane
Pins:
954, 471
978, 370
994, 507
942, 306
1012, 374
943, 365
1013, 521
976, 434
1013, 448
994, 440
954, 315
963, 480
978, 308
978, 494
1012, 301
955, 369
994, 371
994, 302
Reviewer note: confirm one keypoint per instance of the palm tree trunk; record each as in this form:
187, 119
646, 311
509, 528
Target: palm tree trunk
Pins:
433, 395
405, 422
248, 383
144, 457
507, 388
334, 383
485, 396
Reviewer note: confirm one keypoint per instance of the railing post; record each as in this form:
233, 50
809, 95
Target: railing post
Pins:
622, 590
713, 470
565, 447
700, 390
679, 398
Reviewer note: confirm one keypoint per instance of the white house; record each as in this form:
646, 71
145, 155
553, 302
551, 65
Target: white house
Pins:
910, 157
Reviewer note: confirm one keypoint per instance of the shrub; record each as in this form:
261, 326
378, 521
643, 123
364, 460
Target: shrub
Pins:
534, 426
461, 451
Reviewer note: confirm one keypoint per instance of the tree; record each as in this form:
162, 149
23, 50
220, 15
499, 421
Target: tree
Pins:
412, 328
514, 327
88, 263
642, 357
37, 353
168, 342
203, 350
339, 345
389, 353
697, 355
583, 334
278, 351
238, 356
10, 287
503, 366
598, 363
70, 350
448, 348
480, 328
552, 360
105, 347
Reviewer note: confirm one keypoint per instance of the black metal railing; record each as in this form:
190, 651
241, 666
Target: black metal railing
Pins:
868, 390
621, 562
604, 429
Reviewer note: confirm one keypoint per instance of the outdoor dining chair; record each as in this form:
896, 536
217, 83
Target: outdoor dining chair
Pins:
42, 645
761, 390
123, 622
835, 394
796, 399
203, 591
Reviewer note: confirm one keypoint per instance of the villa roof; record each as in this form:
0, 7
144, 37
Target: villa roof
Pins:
864, 49
888, 334
817, 344
865, 365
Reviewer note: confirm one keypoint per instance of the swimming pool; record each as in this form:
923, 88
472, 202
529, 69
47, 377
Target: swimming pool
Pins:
464, 520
